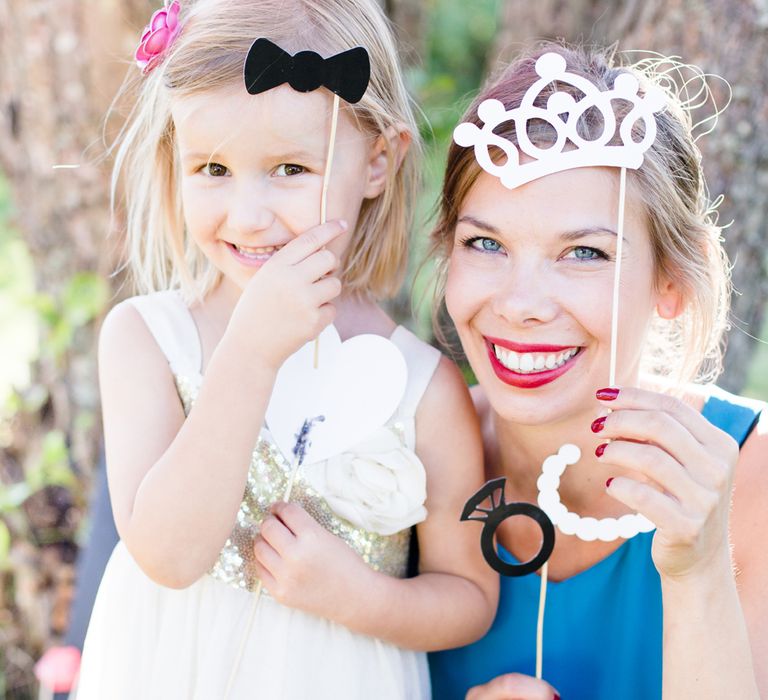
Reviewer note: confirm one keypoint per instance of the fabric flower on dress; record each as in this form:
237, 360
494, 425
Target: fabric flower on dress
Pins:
378, 485
158, 36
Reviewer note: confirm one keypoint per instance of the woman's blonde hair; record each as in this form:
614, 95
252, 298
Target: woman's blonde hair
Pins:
209, 54
685, 238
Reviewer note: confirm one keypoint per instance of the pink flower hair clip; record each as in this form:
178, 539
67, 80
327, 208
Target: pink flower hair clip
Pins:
158, 36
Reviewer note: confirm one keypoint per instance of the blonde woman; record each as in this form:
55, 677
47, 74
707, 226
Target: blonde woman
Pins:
677, 612
222, 198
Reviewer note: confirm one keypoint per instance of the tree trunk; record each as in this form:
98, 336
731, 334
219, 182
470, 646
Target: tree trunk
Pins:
725, 37
58, 72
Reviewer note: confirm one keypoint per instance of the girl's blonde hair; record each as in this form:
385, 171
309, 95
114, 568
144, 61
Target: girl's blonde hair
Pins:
685, 238
209, 54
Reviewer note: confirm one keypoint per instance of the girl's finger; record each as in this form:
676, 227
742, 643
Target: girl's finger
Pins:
310, 242
699, 427
656, 464
276, 534
265, 556
295, 518
326, 290
317, 265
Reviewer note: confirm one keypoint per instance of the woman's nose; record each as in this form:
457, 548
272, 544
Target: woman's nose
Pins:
249, 208
525, 296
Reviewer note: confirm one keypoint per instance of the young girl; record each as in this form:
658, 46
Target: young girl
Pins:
223, 203
677, 612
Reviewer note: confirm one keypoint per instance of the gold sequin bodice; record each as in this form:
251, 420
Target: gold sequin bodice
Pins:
268, 475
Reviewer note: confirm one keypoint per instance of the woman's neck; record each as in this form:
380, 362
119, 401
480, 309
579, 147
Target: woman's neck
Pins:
517, 452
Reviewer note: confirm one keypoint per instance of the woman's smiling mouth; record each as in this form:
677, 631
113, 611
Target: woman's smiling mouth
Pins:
529, 366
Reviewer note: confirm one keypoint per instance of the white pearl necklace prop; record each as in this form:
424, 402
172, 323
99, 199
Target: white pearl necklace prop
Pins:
569, 523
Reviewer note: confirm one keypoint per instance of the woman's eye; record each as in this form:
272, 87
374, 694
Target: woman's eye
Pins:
215, 169
586, 253
487, 245
288, 169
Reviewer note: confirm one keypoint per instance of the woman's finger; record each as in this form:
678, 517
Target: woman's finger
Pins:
691, 419
662, 510
658, 428
658, 466
513, 686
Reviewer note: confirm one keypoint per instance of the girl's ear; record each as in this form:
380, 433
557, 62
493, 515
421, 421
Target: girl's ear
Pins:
393, 142
669, 300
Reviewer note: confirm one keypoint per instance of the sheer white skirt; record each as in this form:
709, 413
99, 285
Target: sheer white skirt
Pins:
148, 642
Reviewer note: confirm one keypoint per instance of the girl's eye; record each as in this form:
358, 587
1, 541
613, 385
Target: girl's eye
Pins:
215, 169
288, 169
585, 253
487, 245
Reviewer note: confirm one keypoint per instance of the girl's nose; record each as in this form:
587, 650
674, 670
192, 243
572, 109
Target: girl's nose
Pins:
249, 209
525, 298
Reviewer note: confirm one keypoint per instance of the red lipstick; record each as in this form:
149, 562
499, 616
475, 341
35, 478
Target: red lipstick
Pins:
533, 379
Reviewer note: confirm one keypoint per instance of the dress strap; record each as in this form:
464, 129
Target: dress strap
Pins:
422, 360
736, 415
173, 329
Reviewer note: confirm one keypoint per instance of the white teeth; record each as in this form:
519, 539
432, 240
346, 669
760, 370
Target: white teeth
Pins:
532, 362
251, 252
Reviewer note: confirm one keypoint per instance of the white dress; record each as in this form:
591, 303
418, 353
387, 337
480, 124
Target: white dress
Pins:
148, 642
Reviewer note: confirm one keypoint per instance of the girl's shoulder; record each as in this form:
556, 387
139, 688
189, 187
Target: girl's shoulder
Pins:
158, 326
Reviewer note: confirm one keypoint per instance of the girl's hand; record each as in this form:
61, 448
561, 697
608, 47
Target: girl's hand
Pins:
306, 567
513, 686
689, 463
288, 301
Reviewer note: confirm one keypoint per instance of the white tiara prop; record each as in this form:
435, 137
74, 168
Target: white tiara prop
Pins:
562, 113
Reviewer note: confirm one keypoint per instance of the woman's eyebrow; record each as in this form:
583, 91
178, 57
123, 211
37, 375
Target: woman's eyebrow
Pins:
477, 223
582, 232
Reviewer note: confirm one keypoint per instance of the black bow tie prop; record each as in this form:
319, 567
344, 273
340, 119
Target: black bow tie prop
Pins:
345, 74
499, 511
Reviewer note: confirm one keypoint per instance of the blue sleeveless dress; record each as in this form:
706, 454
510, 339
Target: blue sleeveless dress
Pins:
602, 627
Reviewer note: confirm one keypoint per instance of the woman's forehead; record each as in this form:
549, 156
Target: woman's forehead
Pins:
579, 198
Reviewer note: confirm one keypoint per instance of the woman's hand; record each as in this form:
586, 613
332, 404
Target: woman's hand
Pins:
513, 686
288, 301
306, 567
689, 464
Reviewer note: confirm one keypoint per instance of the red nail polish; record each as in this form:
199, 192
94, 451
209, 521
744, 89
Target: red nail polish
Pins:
608, 483
607, 394
557, 697
598, 424
600, 449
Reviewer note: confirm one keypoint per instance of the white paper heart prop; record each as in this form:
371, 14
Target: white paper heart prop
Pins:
357, 386
605, 529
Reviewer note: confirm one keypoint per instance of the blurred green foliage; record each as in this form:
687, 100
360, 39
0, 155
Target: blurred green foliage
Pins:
34, 326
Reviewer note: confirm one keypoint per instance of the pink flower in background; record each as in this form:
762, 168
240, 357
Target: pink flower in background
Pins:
158, 36
58, 668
